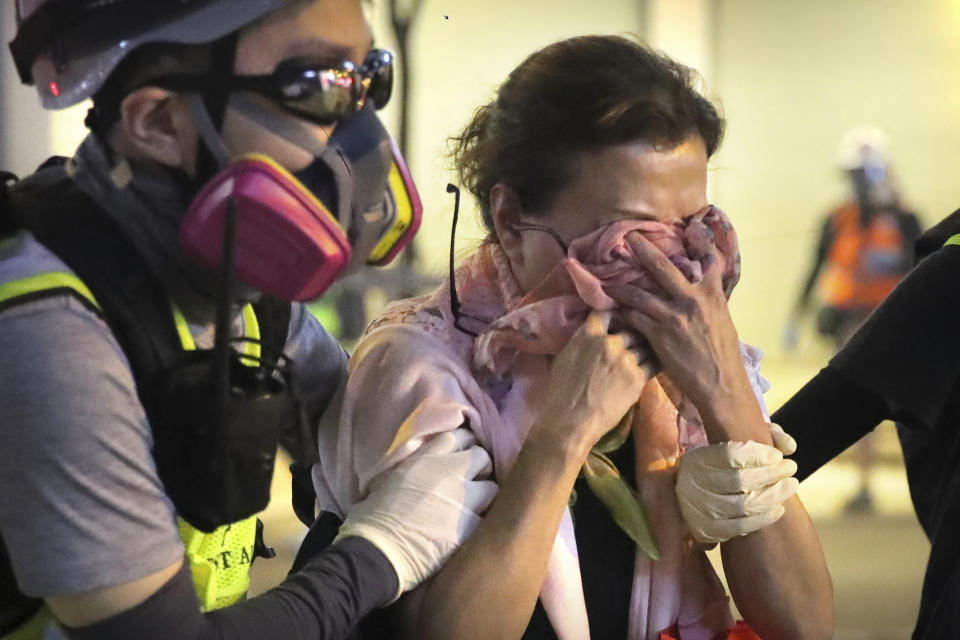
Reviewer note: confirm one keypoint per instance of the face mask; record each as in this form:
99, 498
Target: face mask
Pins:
298, 232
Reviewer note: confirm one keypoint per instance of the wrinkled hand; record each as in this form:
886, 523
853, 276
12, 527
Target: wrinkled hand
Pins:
422, 511
688, 326
593, 382
735, 488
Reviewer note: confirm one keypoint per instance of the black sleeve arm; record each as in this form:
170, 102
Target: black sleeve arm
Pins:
823, 247
933, 239
825, 417
901, 364
322, 601
911, 230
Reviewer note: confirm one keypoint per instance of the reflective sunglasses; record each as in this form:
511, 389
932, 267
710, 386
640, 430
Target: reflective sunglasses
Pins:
320, 94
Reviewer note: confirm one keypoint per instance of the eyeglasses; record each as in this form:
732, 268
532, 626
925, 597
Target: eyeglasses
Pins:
321, 95
458, 315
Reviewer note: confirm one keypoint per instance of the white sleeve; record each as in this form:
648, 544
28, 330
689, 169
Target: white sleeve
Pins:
752, 356
404, 385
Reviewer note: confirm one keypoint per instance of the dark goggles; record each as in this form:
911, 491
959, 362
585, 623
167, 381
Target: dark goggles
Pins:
320, 94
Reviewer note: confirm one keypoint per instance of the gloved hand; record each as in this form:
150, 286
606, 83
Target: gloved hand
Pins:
782, 440
735, 488
422, 511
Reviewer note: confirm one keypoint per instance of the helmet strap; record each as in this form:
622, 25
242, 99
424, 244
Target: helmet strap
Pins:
210, 159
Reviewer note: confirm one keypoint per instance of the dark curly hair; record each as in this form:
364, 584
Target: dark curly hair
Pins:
577, 95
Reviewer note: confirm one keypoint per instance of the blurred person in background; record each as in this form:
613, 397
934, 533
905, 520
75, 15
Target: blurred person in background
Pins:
155, 349
865, 248
589, 141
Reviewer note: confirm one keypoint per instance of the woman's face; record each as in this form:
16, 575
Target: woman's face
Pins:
625, 181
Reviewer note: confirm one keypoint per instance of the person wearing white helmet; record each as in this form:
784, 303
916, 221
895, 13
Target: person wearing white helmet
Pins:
864, 249
864, 244
155, 346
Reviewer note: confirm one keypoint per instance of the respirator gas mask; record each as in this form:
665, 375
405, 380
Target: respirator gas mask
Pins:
297, 232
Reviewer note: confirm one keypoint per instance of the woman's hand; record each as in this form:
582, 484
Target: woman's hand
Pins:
690, 330
593, 382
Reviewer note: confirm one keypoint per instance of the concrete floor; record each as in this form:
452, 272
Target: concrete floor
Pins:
876, 560
877, 566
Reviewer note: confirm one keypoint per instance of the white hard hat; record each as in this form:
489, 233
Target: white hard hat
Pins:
862, 146
68, 48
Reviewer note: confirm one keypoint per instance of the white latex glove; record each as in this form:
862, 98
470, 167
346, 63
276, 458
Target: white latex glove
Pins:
735, 488
782, 440
420, 512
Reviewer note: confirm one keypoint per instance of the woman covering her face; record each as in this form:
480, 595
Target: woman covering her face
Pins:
590, 169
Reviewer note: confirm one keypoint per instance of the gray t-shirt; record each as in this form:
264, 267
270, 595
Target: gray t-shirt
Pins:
81, 505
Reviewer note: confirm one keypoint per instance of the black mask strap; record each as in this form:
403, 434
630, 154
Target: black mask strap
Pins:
223, 57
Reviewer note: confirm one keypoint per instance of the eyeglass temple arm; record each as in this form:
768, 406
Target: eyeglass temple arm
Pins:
454, 300
537, 227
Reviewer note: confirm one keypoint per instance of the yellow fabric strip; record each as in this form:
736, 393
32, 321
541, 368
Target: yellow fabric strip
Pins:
251, 329
953, 240
183, 329
34, 628
43, 281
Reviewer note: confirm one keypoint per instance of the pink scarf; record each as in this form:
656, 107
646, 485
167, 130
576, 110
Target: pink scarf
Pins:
545, 319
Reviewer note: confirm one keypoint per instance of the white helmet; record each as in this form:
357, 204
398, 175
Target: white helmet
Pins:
863, 146
863, 150
68, 48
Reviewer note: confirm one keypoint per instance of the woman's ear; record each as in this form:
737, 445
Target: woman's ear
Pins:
505, 210
156, 125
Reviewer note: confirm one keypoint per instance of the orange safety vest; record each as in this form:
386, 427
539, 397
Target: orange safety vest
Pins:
863, 264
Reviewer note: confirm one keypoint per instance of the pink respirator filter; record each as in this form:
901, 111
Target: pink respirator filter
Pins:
288, 245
